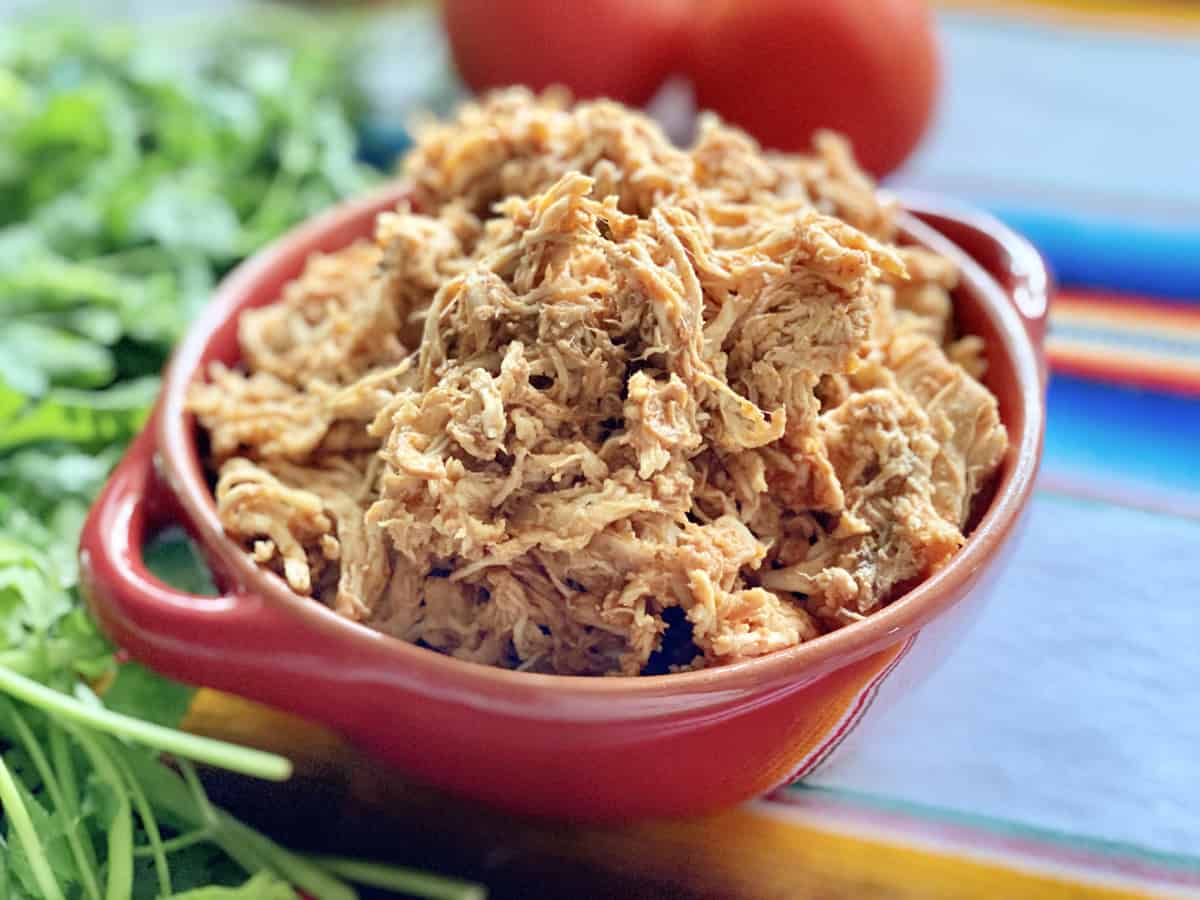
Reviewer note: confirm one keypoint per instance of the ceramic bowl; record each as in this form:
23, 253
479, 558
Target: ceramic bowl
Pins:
571, 747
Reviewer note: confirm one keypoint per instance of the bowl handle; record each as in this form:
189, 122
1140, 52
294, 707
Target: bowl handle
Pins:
207, 640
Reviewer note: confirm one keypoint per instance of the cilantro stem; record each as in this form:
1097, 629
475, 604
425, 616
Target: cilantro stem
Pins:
177, 843
398, 878
253, 850
149, 825
83, 863
17, 813
119, 885
296, 870
170, 794
63, 765
120, 854
64, 768
223, 755
199, 794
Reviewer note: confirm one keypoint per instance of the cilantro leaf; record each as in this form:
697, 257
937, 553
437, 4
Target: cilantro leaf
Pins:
139, 692
83, 418
263, 886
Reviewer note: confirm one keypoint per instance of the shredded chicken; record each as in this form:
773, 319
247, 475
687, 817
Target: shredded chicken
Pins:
595, 404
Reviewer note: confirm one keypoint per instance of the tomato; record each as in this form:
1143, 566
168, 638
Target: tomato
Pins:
623, 49
782, 69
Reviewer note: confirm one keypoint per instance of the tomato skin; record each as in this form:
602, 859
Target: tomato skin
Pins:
622, 49
781, 69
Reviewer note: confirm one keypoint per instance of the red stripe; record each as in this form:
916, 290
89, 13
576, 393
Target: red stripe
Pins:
1114, 371
1183, 310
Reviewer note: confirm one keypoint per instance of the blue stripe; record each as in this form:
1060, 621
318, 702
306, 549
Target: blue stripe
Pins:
1128, 433
1108, 254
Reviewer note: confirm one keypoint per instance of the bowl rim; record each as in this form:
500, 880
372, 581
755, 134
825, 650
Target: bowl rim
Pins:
1014, 317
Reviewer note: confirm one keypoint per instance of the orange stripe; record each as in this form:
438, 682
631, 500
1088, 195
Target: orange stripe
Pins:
1109, 363
1128, 312
1124, 358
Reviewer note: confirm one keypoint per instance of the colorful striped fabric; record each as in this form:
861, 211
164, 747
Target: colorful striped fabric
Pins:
1126, 339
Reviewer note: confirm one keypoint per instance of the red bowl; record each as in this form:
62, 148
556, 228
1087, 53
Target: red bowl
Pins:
572, 747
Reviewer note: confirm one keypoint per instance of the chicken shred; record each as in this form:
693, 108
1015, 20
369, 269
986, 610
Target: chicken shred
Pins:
595, 404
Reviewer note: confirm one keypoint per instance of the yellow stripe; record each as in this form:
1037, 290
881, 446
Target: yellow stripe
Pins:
1160, 16
749, 856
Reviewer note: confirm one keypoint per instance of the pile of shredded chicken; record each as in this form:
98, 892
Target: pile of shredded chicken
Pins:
590, 388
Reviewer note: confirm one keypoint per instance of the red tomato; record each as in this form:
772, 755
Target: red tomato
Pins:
782, 69
623, 49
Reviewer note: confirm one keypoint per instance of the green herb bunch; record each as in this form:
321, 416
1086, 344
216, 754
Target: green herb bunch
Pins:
136, 168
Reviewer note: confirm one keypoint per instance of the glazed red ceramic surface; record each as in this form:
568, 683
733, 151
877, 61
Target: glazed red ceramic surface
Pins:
565, 746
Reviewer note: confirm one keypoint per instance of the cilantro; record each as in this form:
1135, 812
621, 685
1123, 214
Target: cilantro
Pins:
263, 886
135, 170
139, 692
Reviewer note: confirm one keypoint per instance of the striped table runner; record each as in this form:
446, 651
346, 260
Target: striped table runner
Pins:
1126, 339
